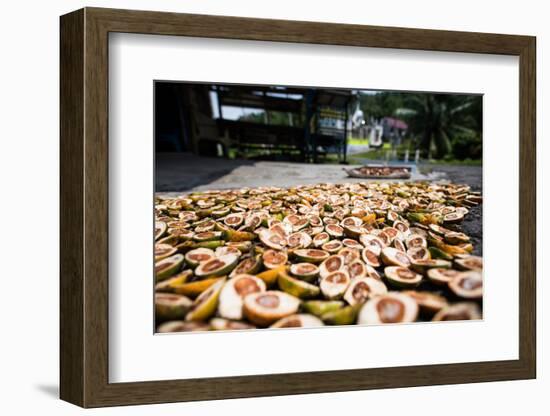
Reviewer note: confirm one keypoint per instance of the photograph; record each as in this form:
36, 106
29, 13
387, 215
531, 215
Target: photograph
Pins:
238, 185
297, 206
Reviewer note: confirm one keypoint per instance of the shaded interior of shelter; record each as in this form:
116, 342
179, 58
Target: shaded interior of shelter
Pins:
205, 131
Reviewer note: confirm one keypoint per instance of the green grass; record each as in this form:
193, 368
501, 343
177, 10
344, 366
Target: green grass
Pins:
380, 154
453, 162
374, 154
354, 140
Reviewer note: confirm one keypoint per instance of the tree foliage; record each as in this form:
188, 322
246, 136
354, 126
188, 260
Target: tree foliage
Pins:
441, 125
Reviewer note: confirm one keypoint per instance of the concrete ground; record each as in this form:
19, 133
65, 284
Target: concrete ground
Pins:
179, 173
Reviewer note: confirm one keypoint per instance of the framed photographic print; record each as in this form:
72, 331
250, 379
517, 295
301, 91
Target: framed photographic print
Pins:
256, 207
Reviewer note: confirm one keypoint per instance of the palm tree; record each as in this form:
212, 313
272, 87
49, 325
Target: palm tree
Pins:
434, 119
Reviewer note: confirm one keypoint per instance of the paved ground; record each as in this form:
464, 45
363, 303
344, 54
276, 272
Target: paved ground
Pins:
184, 172
178, 173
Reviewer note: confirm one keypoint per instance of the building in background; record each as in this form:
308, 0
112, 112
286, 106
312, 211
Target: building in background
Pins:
290, 123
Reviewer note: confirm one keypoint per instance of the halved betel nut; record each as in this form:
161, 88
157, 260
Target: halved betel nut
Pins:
402, 277
299, 239
384, 237
332, 264
441, 276
393, 233
320, 239
474, 196
361, 289
207, 236
467, 247
305, 271
193, 289
188, 216
313, 231
164, 250
167, 285
416, 240
418, 253
234, 220
353, 231
265, 308
454, 237
453, 217
462, 210
221, 212
273, 258
422, 266
170, 239
346, 315
299, 320
357, 269
237, 236
429, 302
233, 292
335, 284
402, 227
205, 226
463, 311
438, 229
315, 221
470, 263
435, 239
393, 307
273, 239
392, 216
225, 250
296, 287
320, 307
169, 306
270, 276
300, 224
311, 255
372, 242
399, 245
351, 221
333, 246
468, 285
217, 266
198, 255
222, 324
242, 246
206, 303
447, 209
371, 272
167, 267
351, 243
282, 229
250, 265
253, 221
437, 253
392, 257
182, 326
334, 230
420, 230
370, 257
349, 254
292, 219
329, 219
160, 229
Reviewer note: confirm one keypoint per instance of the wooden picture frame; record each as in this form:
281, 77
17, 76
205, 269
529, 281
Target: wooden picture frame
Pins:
84, 207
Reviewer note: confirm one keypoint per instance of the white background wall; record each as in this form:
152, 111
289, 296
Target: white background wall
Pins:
29, 211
